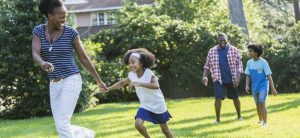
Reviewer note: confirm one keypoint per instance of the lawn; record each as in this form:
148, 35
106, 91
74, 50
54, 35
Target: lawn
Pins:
192, 117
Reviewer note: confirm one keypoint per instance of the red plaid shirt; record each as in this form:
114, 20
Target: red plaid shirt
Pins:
234, 59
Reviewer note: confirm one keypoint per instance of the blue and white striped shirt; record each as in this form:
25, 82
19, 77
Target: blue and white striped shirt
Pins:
62, 54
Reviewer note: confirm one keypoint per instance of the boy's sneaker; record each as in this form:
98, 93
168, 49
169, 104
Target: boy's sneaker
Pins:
240, 119
217, 122
264, 125
260, 122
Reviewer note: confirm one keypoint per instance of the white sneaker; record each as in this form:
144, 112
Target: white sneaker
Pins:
259, 122
240, 119
264, 125
217, 122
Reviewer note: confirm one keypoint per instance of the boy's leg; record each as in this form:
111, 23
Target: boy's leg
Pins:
219, 95
263, 111
262, 103
258, 108
165, 129
139, 125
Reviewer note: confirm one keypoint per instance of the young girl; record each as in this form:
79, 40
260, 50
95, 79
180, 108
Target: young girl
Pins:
153, 107
259, 72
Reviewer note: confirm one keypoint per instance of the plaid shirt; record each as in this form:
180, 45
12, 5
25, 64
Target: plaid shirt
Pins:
234, 59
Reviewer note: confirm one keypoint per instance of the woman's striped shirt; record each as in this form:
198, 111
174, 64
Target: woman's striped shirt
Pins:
62, 53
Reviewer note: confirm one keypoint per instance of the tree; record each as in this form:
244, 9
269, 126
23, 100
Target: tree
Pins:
179, 41
296, 10
237, 16
23, 86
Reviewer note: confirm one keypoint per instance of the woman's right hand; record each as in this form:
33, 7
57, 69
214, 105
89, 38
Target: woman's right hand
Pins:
47, 67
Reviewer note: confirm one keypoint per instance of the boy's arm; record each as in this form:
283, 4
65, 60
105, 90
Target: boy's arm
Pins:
152, 85
273, 90
119, 84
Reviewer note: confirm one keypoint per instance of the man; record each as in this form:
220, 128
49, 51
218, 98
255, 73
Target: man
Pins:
225, 66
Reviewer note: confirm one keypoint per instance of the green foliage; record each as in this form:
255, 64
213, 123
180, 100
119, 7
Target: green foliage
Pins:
24, 90
110, 72
284, 60
179, 42
273, 28
23, 86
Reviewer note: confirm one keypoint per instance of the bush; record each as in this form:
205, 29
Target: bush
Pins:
180, 46
284, 60
23, 86
24, 90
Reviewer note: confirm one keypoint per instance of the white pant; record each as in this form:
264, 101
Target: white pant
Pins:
63, 98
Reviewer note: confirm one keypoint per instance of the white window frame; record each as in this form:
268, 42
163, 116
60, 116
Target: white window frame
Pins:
105, 16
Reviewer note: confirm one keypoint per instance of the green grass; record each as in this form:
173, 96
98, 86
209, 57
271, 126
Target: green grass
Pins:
192, 117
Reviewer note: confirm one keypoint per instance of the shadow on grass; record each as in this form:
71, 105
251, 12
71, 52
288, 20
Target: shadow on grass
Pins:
108, 110
249, 114
182, 131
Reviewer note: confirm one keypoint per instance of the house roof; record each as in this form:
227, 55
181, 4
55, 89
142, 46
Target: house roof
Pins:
100, 5
85, 32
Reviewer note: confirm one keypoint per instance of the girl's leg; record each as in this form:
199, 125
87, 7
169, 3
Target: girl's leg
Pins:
165, 129
139, 125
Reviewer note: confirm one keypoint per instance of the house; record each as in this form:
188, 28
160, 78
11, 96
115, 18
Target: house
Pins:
91, 16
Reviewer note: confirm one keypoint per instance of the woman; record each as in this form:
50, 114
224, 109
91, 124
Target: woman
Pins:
53, 48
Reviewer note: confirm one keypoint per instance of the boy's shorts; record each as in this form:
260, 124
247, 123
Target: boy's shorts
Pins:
260, 97
232, 93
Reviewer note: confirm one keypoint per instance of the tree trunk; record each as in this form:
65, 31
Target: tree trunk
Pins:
237, 16
296, 10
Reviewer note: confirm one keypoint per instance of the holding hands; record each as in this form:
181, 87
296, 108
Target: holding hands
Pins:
102, 86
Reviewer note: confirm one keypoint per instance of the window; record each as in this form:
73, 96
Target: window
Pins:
94, 20
102, 19
110, 19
